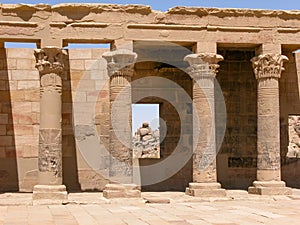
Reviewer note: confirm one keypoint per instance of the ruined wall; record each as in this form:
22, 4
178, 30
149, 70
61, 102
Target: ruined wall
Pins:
237, 157
289, 105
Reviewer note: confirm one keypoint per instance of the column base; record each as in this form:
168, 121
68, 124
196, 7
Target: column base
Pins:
205, 190
121, 191
269, 188
49, 194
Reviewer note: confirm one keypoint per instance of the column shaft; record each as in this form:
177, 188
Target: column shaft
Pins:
120, 136
50, 189
268, 137
204, 157
203, 69
267, 69
120, 65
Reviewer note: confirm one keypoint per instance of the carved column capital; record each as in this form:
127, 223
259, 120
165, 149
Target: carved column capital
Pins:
49, 60
268, 65
203, 65
120, 62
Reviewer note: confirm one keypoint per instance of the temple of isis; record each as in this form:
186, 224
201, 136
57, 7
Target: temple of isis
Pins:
226, 82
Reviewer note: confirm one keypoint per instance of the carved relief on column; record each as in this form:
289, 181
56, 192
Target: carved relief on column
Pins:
267, 69
203, 69
49, 62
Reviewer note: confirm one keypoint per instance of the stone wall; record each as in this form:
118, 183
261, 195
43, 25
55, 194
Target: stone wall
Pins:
237, 156
19, 117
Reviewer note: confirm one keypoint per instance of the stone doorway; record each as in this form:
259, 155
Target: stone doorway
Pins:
176, 120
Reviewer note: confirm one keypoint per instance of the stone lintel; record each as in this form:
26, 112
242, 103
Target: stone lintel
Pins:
49, 194
121, 191
212, 189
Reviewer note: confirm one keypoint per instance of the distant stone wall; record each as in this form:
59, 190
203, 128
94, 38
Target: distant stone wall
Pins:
237, 156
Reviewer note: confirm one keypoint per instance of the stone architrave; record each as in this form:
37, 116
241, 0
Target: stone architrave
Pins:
49, 62
203, 69
267, 69
120, 67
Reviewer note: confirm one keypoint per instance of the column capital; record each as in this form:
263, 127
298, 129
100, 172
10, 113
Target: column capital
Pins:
268, 65
49, 60
203, 65
120, 62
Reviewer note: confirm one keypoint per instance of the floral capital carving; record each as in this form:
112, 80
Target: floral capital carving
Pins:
49, 60
203, 65
120, 62
268, 65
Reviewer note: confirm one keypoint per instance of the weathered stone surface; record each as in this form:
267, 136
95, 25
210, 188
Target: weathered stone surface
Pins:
270, 188
205, 190
121, 191
49, 194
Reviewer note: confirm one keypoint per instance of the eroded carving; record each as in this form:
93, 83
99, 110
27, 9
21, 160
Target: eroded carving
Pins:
120, 62
203, 65
49, 60
50, 158
268, 65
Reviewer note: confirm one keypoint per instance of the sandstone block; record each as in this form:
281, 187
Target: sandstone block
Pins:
25, 75
49, 194
212, 189
121, 191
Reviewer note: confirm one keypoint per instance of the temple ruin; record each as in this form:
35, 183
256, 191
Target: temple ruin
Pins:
226, 81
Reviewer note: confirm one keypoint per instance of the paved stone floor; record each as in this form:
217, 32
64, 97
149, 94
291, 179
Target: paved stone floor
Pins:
91, 208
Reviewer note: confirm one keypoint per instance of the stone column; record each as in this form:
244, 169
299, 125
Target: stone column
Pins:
267, 69
120, 66
49, 62
203, 70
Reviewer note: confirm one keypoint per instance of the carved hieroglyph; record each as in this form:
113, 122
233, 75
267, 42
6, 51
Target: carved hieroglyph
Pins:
203, 69
50, 155
267, 69
49, 62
